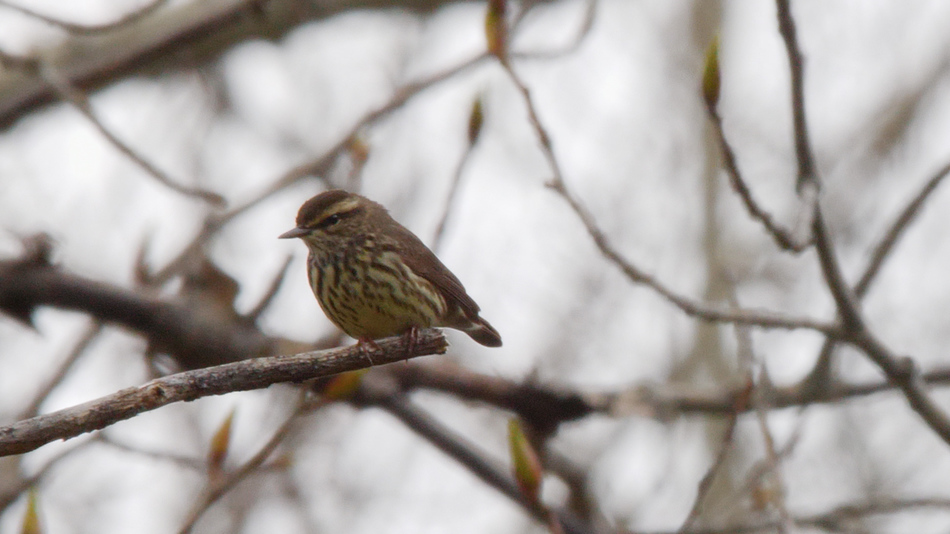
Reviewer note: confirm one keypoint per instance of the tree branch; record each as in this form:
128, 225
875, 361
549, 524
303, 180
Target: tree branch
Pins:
257, 373
193, 338
901, 371
168, 40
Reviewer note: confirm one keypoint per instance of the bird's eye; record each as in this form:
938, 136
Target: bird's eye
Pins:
331, 220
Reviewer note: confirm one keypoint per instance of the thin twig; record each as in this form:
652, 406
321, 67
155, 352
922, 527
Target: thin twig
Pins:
177, 459
795, 240
846, 302
271, 292
820, 376
68, 93
760, 318
727, 443
590, 14
903, 372
218, 488
316, 167
772, 458
450, 199
896, 231
666, 402
30, 434
760, 399
88, 29
92, 331
467, 454
10, 497
806, 160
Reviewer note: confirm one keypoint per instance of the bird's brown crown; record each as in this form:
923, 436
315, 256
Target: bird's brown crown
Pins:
331, 207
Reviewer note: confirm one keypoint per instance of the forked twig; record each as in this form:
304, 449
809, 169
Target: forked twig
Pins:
799, 237
900, 370
590, 14
316, 167
217, 489
759, 318
80, 102
820, 376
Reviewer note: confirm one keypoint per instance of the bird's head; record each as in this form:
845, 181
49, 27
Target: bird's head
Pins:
334, 218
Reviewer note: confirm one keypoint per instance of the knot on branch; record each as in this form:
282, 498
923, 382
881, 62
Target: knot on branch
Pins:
37, 254
37, 250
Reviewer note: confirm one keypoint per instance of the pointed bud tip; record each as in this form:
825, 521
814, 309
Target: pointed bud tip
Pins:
711, 77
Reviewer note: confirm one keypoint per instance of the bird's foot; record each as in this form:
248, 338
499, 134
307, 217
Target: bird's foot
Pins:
367, 347
412, 340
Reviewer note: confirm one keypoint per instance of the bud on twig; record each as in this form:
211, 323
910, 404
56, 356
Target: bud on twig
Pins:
496, 28
218, 451
711, 78
525, 461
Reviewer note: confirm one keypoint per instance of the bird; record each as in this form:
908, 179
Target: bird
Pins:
374, 278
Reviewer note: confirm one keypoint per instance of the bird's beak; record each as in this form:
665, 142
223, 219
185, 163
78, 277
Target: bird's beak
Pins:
296, 232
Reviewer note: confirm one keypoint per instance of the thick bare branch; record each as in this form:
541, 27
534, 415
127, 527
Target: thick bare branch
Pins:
193, 338
256, 373
546, 407
543, 408
169, 40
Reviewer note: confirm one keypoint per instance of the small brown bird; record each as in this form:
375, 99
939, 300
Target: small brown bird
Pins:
374, 278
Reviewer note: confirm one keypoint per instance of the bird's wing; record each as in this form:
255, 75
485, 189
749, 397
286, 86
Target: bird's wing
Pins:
426, 264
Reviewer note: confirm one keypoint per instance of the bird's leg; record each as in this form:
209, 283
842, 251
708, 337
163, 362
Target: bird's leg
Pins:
367, 347
412, 339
